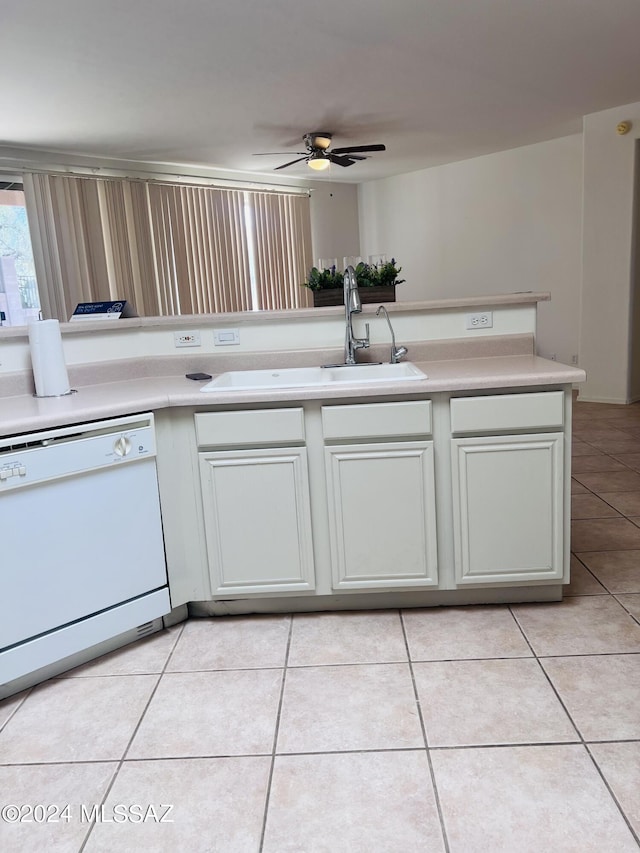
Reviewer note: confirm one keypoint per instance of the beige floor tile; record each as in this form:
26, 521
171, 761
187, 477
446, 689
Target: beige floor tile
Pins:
591, 506
620, 764
9, 706
349, 708
218, 805
604, 534
631, 602
628, 503
233, 642
54, 786
584, 625
631, 460
581, 448
618, 571
333, 638
582, 581
593, 433
577, 488
595, 464
456, 633
374, 801
610, 481
600, 693
482, 702
614, 446
200, 714
634, 431
76, 719
144, 656
527, 799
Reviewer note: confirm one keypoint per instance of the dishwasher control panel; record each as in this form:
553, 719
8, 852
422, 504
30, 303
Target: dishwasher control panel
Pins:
46, 456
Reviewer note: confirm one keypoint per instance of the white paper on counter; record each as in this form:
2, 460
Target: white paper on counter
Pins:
47, 359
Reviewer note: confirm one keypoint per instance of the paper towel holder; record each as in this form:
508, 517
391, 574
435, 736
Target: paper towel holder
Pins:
53, 396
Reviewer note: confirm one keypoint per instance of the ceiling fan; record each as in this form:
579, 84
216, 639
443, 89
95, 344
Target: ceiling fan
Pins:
319, 154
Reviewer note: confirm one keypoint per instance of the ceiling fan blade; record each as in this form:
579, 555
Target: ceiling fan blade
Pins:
354, 148
284, 165
278, 153
340, 161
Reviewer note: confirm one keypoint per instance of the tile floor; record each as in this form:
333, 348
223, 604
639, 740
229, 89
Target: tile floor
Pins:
462, 729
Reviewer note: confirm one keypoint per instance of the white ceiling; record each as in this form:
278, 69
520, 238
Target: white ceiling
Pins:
210, 82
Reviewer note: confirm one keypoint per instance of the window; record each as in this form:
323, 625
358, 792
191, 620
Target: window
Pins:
19, 299
168, 249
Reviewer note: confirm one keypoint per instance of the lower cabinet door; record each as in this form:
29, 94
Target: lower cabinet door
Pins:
382, 519
257, 520
508, 496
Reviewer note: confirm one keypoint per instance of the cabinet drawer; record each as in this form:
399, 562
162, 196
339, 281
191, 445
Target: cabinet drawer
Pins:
377, 420
258, 427
507, 412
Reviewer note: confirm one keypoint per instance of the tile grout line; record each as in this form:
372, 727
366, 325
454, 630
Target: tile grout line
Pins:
612, 795
434, 784
122, 759
267, 800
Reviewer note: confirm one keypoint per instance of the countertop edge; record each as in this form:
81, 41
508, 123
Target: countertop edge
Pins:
94, 402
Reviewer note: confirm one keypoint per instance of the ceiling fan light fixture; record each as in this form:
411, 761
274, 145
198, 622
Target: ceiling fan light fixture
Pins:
320, 140
318, 161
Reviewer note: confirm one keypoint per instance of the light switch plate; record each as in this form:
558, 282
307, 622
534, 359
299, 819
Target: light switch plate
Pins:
226, 337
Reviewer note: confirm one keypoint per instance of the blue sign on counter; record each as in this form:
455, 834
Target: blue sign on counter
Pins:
103, 310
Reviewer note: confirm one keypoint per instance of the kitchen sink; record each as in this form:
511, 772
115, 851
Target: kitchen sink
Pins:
310, 377
375, 372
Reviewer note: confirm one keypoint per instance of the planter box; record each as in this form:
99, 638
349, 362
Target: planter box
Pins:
368, 295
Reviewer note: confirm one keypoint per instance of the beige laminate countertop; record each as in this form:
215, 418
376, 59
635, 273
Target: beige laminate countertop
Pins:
26, 413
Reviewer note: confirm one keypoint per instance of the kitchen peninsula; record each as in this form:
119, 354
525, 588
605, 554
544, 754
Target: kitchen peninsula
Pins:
452, 489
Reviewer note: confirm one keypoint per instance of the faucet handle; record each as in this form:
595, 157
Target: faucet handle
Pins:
397, 353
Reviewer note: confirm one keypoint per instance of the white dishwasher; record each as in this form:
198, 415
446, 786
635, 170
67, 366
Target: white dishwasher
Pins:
81, 547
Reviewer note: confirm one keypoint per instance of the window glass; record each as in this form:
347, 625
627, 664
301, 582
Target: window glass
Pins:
19, 299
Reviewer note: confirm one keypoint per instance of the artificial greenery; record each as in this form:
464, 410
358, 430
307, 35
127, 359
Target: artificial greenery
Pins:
367, 275
329, 279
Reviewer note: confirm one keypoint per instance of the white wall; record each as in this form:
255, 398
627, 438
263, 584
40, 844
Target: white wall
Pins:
335, 229
606, 331
495, 224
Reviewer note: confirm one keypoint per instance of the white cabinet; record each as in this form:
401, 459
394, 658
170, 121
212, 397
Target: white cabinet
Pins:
382, 515
256, 503
508, 494
381, 495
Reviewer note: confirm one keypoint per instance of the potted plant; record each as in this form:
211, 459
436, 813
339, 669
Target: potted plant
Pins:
376, 283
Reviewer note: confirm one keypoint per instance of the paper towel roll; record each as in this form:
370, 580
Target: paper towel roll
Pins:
47, 359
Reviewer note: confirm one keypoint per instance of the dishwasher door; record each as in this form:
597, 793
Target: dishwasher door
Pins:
80, 533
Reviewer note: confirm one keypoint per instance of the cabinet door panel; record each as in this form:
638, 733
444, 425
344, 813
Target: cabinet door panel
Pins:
382, 515
508, 508
257, 520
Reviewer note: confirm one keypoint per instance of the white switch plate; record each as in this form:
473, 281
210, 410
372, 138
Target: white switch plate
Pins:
186, 339
226, 337
481, 320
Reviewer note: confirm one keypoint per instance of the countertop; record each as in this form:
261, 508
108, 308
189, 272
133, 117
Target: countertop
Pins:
24, 412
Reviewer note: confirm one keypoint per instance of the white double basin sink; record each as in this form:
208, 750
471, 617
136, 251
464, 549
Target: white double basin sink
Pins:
313, 377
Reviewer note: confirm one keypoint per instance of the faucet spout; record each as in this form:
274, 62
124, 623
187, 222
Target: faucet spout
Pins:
396, 352
352, 305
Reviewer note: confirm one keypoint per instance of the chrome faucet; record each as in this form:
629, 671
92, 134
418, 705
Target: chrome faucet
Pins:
396, 352
352, 305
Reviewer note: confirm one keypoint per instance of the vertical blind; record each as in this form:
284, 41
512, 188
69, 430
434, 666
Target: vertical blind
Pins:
166, 249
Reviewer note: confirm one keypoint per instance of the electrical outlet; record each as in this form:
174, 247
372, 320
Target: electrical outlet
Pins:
186, 339
482, 320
